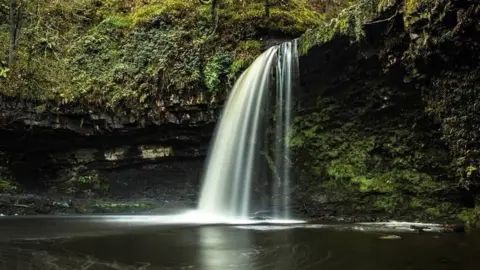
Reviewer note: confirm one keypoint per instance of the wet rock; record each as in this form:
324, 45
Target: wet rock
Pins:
376, 130
35, 204
457, 228
419, 228
390, 237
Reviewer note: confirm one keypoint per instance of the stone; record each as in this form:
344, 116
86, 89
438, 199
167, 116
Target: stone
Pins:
390, 237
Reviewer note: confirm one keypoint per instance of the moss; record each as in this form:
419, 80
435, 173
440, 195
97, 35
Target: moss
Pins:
40, 108
412, 6
415, 10
389, 204
295, 19
123, 207
470, 170
114, 207
85, 184
4, 72
349, 22
368, 162
149, 152
4, 39
415, 168
8, 186
129, 55
470, 217
216, 69
244, 54
171, 8
118, 22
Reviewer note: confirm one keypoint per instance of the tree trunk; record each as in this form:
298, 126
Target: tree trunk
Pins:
13, 32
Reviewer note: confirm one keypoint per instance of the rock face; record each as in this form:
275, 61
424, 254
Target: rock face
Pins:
387, 127
123, 96
87, 154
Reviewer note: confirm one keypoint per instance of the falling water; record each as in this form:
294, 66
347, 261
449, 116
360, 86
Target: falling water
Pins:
236, 153
287, 66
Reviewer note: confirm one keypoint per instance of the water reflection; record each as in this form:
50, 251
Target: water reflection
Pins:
222, 248
256, 247
245, 247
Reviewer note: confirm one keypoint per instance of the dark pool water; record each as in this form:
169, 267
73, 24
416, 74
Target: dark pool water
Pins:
106, 243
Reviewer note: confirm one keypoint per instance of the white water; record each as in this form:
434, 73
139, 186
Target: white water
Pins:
236, 155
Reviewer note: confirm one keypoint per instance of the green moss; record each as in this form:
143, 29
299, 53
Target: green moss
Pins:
120, 205
88, 185
8, 186
216, 69
40, 108
243, 56
470, 217
4, 72
349, 22
149, 152
129, 55
416, 10
296, 19
248, 48
389, 204
470, 170
411, 6
4, 39
381, 166
124, 207
172, 8
119, 22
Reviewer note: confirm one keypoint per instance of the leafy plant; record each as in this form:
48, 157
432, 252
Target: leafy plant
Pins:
216, 68
4, 72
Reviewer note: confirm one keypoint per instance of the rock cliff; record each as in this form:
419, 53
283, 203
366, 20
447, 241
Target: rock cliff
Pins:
387, 124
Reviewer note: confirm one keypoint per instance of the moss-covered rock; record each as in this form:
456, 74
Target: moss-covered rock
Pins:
392, 131
134, 56
7, 184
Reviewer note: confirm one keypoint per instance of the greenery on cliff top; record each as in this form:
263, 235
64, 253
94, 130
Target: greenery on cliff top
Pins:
133, 55
351, 20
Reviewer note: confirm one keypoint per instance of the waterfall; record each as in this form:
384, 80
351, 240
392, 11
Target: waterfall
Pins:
287, 67
237, 155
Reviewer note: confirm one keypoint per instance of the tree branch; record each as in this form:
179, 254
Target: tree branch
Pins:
384, 20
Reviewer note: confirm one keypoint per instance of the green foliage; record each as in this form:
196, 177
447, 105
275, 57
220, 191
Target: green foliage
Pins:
349, 22
7, 185
87, 185
452, 79
4, 72
216, 69
412, 6
131, 55
294, 18
165, 9
244, 55
4, 42
117, 22
470, 217
377, 167
120, 207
